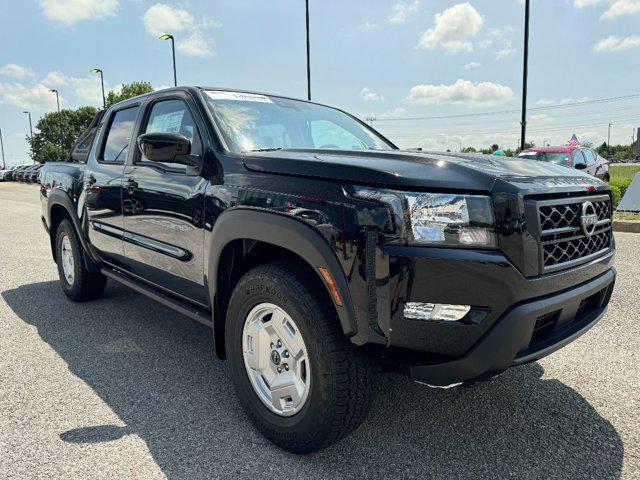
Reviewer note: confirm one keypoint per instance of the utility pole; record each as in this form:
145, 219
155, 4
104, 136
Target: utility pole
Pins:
4, 163
609, 139
370, 119
30, 134
525, 73
308, 54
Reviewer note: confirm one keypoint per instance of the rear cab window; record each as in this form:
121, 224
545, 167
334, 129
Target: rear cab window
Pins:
119, 134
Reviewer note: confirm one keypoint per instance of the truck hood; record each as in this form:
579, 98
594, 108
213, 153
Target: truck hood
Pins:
423, 170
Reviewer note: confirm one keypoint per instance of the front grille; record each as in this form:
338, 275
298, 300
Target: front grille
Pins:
563, 240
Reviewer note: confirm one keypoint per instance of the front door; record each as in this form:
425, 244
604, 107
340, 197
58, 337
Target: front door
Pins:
162, 205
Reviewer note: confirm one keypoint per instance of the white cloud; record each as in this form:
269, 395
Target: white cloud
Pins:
471, 65
69, 12
55, 79
86, 89
621, 7
369, 26
28, 97
453, 29
617, 44
462, 92
401, 10
540, 118
505, 52
546, 102
162, 18
17, 71
395, 113
369, 95
586, 3
197, 45
484, 43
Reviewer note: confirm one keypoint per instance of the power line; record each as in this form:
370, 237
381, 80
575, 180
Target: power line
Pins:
502, 112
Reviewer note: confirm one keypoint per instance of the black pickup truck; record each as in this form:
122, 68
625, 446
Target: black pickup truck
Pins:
317, 251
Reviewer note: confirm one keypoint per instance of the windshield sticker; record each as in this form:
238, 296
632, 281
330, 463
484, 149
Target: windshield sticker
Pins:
238, 96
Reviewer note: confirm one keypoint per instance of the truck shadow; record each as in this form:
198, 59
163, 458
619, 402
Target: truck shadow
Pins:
156, 370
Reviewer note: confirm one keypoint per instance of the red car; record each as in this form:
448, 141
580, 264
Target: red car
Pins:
582, 158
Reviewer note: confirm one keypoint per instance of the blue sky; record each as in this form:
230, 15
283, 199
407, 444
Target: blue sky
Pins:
388, 59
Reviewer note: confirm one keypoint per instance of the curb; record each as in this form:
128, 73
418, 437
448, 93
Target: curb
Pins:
626, 226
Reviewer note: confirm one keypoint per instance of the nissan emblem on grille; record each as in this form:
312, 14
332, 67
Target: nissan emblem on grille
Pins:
588, 218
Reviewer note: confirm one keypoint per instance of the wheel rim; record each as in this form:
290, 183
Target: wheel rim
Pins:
276, 359
66, 257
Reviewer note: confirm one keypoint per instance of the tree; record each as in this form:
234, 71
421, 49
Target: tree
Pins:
128, 90
46, 146
468, 150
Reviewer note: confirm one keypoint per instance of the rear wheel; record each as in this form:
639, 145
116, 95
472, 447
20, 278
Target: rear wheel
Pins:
298, 378
78, 283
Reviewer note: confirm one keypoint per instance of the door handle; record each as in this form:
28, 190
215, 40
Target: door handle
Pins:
130, 185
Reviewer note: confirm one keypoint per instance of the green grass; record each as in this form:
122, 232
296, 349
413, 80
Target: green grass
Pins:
623, 172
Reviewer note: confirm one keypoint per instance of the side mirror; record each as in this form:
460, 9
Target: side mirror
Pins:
580, 166
164, 146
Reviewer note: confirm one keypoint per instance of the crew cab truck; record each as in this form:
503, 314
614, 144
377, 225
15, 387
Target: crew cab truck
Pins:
450, 268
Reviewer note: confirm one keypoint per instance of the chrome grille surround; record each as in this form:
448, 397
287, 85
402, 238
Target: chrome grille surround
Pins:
563, 239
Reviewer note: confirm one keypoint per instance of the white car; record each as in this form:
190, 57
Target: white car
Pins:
4, 172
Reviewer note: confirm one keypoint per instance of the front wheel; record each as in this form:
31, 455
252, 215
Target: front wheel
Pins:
78, 283
298, 378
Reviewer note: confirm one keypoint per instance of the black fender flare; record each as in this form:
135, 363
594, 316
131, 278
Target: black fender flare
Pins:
287, 232
62, 199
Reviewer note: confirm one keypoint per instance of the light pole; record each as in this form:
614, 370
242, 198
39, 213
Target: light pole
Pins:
4, 164
98, 70
30, 133
308, 53
525, 73
173, 52
53, 90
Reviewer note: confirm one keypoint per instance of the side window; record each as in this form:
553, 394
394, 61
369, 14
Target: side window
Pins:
578, 158
173, 116
119, 135
591, 157
327, 134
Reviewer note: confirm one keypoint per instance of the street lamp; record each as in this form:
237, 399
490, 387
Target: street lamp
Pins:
97, 70
30, 132
173, 52
308, 53
525, 73
53, 90
4, 164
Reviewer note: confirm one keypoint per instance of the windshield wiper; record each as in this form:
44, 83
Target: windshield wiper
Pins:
271, 149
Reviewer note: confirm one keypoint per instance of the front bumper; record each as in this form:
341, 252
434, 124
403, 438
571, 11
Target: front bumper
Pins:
515, 338
514, 319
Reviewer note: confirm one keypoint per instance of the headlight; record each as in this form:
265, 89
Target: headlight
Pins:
437, 218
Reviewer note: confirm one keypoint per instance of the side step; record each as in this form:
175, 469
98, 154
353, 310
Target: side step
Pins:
170, 302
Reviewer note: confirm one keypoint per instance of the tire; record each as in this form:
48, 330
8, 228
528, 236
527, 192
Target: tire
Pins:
339, 377
82, 285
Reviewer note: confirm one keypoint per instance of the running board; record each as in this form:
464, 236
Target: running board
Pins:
164, 299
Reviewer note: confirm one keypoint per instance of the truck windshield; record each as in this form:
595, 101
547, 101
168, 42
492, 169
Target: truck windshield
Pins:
559, 158
251, 122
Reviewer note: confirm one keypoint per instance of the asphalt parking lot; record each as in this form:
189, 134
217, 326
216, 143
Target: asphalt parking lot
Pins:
125, 388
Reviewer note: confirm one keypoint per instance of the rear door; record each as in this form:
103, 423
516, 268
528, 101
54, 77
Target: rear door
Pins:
103, 182
591, 158
163, 206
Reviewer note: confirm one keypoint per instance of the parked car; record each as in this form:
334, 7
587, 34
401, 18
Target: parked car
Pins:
19, 172
450, 268
580, 158
5, 174
34, 174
